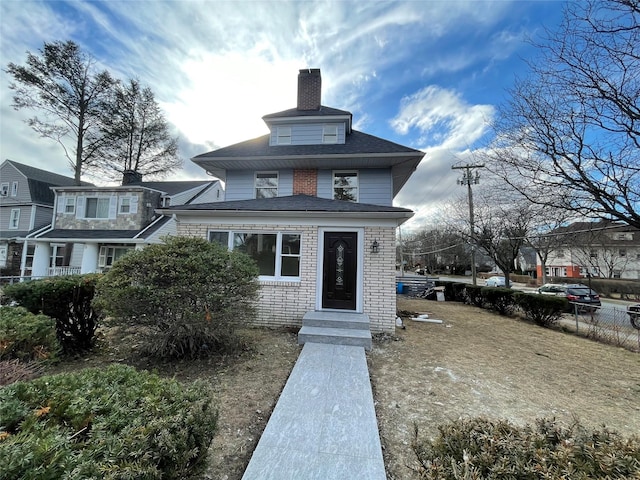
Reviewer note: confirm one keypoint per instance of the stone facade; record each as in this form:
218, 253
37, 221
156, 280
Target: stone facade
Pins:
284, 303
147, 200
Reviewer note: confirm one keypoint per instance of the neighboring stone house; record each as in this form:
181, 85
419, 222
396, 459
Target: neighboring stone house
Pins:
605, 249
26, 204
312, 203
94, 226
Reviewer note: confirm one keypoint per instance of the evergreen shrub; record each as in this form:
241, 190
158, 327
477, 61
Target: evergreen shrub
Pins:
186, 295
481, 448
544, 310
474, 295
112, 423
66, 299
26, 336
499, 299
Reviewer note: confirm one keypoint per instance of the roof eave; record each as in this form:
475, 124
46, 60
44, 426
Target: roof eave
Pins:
289, 213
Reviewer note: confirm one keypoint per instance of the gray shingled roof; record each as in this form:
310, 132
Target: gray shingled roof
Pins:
293, 203
40, 182
78, 235
356, 143
294, 112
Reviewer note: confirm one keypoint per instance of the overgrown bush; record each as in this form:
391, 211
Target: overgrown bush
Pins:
113, 423
544, 310
458, 290
187, 294
485, 449
499, 299
26, 336
66, 299
474, 295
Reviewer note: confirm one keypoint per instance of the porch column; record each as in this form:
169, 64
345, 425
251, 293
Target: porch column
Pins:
41, 260
90, 258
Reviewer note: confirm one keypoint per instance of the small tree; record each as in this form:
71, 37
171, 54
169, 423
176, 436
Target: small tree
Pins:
187, 293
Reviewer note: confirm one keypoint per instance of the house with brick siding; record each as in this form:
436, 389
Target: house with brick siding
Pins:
312, 203
91, 227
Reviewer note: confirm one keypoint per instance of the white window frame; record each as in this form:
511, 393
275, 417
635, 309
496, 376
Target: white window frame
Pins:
4, 189
283, 135
124, 205
279, 254
330, 134
98, 200
69, 206
3, 255
256, 187
107, 254
14, 189
14, 219
339, 173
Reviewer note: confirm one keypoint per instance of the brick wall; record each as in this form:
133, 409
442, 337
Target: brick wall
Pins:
309, 89
305, 182
285, 303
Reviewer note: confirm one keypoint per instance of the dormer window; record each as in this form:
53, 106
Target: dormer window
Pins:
266, 184
330, 134
345, 185
4, 189
14, 189
284, 136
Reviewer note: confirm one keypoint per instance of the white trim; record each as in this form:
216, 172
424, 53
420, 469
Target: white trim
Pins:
333, 182
283, 138
4, 189
265, 172
14, 217
14, 189
360, 269
326, 134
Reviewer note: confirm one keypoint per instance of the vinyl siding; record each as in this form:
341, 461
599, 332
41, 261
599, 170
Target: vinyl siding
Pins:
9, 174
308, 134
240, 184
374, 186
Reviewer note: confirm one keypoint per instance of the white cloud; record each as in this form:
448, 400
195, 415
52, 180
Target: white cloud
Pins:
442, 118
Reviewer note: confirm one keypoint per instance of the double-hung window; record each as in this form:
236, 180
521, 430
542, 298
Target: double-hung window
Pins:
14, 189
266, 184
14, 219
330, 134
70, 205
345, 185
4, 189
283, 135
108, 255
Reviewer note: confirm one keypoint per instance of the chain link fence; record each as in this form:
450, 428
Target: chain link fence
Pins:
605, 324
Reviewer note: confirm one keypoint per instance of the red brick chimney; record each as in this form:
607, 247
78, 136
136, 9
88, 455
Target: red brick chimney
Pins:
309, 89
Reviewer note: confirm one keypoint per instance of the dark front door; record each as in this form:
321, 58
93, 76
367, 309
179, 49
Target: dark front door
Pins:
340, 270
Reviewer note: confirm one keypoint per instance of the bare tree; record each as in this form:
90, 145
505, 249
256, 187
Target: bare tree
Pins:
570, 134
543, 234
64, 84
137, 134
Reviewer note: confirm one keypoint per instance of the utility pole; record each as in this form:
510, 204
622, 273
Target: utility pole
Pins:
468, 179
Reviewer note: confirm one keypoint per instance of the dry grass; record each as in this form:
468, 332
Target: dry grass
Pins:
477, 363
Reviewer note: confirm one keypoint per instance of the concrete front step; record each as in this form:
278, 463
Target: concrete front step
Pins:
335, 336
352, 321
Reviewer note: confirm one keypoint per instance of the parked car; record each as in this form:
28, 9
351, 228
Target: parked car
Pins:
496, 282
634, 315
587, 299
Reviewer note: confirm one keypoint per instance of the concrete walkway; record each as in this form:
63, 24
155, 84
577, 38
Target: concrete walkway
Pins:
324, 425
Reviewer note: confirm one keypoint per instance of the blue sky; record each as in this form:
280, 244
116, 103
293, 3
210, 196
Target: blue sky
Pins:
426, 74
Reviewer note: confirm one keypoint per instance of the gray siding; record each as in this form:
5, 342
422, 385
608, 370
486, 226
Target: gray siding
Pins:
5, 219
240, 184
375, 186
9, 174
308, 134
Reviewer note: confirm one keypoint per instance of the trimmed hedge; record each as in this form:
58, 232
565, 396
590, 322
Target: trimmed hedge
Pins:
66, 299
544, 310
112, 423
474, 295
499, 299
26, 336
494, 449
